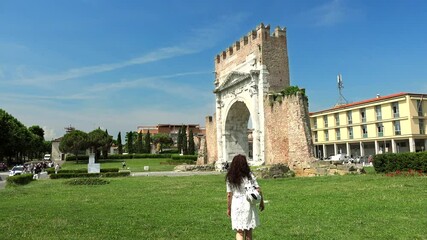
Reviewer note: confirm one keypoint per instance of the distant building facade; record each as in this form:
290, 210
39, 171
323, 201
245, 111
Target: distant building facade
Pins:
172, 130
388, 124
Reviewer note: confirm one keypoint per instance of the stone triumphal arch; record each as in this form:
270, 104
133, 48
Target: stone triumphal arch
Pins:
246, 75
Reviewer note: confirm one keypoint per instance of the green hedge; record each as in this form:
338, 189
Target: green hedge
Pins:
138, 156
177, 162
20, 179
88, 175
392, 162
184, 157
79, 158
82, 170
119, 156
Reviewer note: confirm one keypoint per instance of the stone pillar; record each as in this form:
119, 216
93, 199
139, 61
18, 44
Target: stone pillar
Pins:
335, 149
324, 151
411, 145
362, 150
393, 146
348, 150
376, 147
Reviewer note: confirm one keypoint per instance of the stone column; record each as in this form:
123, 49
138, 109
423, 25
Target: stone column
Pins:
393, 146
335, 149
348, 150
411, 145
376, 147
362, 150
255, 120
324, 151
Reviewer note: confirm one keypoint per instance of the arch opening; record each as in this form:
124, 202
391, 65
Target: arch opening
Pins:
237, 139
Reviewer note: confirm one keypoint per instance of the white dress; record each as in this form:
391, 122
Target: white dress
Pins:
244, 216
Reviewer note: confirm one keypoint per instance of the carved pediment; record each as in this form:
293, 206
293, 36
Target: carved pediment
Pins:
232, 79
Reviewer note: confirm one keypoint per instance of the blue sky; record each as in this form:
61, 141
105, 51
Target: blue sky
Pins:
121, 64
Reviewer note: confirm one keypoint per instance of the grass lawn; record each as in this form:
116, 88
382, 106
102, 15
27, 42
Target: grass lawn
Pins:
135, 165
369, 206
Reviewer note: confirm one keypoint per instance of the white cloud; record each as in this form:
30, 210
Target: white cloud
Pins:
49, 133
331, 13
160, 54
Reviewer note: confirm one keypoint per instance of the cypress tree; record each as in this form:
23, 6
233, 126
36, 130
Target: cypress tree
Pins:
184, 141
129, 142
179, 140
119, 143
191, 145
139, 144
147, 142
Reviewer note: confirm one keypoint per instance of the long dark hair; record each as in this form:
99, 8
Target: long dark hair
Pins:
238, 169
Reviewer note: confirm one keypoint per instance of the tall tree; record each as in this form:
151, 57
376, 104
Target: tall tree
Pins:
147, 142
129, 142
139, 143
108, 141
191, 145
184, 141
15, 138
163, 139
74, 142
37, 142
119, 143
98, 139
179, 140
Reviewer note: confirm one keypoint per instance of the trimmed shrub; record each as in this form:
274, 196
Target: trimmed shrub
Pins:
83, 170
104, 170
184, 157
79, 158
22, 179
138, 156
89, 175
178, 162
87, 181
391, 162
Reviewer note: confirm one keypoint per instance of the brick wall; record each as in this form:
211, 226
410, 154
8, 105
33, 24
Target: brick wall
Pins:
211, 143
287, 133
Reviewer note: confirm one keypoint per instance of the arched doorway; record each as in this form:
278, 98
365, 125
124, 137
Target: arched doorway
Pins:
236, 131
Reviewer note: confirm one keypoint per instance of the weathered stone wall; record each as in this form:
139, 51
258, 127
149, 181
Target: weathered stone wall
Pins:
211, 140
287, 134
257, 48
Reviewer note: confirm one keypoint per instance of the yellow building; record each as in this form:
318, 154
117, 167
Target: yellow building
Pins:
393, 123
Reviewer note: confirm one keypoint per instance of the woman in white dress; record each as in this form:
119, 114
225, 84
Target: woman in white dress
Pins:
244, 215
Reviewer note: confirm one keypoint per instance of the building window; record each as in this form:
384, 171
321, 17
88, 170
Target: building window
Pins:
350, 132
422, 127
325, 120
420, 108
380, 130
326, 135
378, 112
363, 115
315, 137
364, 131
395, 108
396, 125
338, 132
349, 118
315, 122
337, 119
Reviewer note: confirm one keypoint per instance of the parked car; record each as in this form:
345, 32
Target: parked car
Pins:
3, 167
46, 157
16, 170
